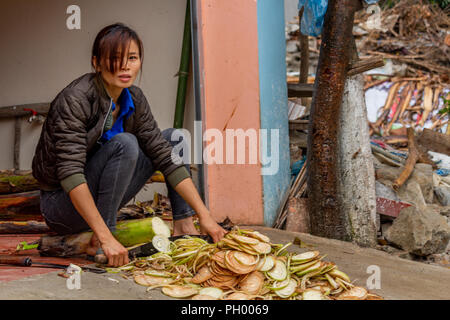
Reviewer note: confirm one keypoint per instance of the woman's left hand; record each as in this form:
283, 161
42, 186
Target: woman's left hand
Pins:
209, 226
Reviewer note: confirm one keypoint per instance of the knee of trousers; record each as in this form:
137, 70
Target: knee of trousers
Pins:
128, 142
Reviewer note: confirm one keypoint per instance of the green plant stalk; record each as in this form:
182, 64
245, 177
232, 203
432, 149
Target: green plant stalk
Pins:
132, 232
26, 246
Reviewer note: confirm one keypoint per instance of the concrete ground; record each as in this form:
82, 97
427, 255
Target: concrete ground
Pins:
399, 278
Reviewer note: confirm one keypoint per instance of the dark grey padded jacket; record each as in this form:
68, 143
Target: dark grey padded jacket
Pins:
76, 121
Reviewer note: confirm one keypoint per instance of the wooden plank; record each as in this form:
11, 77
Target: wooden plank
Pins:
15, 183
300, 90
20, 206
23, 227
298, 124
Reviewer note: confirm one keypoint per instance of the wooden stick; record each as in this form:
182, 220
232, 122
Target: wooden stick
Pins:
428, 104
375, 83
365, 65
407, 101
405, 98
299, 180
17, 135
387, 154
392, 93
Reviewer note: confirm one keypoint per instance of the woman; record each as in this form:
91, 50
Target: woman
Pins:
100, 144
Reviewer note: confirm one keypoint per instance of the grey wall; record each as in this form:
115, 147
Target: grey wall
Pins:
40, 56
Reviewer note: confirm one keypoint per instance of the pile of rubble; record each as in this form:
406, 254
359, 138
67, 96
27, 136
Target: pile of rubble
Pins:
417, 217
414, 33
412, 90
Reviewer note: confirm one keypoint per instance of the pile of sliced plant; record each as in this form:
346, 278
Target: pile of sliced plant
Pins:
245, 265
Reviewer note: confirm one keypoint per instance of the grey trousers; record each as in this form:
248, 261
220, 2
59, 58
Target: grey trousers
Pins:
114, 174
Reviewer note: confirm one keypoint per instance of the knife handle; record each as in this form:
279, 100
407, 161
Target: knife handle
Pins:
15, 260
101, 258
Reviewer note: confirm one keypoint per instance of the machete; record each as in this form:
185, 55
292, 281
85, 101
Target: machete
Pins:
147, 249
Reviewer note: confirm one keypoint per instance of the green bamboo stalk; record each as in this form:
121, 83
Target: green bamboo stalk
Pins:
183, 74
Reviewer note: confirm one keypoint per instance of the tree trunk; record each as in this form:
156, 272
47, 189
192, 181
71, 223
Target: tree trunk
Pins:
326, 218
356, 176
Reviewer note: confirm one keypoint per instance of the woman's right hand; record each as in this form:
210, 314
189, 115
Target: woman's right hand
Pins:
116, 253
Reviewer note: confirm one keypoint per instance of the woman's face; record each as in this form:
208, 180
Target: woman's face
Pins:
126, 73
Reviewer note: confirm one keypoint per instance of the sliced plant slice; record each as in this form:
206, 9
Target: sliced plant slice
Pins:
313, 268
161, 243
283, 248
278, 272
160, 227
184, 254
305, 256
211, 291
287, 291
233, 265
245, 259
278, 285
126, 268
148, 281
372, 296
256, 235
262, 248
219, 257
223, 284
302, 267
333, 283
356, 293
244, 239
237, 296
253, 283
247, 249
230, 242
329, 266
203, 297
269, 263
179, 291
202, 275
156, 273
261, 263
339, 274
312, 294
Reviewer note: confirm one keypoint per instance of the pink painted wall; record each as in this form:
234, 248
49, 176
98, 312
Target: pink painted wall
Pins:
228, 45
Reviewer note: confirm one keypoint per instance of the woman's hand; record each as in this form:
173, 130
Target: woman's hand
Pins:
209, 226
116, 253
188, 192
83, 202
